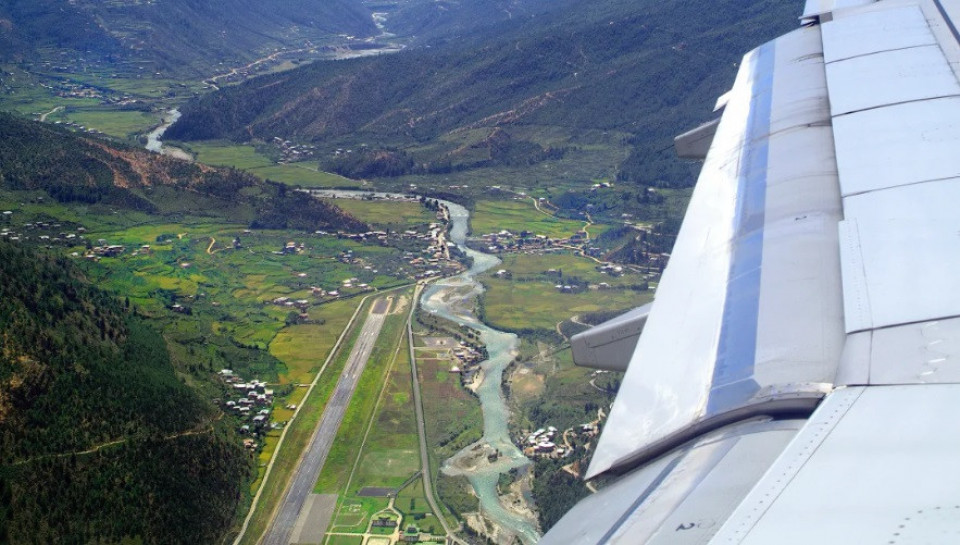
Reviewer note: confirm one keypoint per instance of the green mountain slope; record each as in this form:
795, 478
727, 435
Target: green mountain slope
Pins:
648, 69
436, 21
34, 156
172, 37
100, 442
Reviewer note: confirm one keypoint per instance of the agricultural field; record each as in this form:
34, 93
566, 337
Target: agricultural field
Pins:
226, 154
303, 347
304, 175
147, 88
36, 94
396, 215
544, 307
517, 216
238, 281
120, 124
564, 267
246, 157
533, 279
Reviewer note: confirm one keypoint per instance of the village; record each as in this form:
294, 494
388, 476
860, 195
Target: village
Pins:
549, 442
579, 242
506, 241
291, 152
252, 404
425, 252
432, 260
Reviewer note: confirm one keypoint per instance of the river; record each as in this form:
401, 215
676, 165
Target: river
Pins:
153, 137
453, 298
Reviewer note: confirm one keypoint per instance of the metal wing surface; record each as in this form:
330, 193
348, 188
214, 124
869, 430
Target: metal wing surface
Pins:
798, 376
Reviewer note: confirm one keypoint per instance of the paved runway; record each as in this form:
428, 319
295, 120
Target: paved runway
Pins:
316, 453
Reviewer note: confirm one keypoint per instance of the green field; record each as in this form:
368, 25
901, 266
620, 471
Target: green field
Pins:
395, 215
391, 454
344, 540
117, 123
413, 504
237, 285
226, 154
533, 279
543, 306
304, 175
246, 157
516, 216
566, 267
303, 347
353, 514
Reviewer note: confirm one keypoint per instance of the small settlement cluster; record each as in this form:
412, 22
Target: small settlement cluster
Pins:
47, 233
506, 241
468, 362
434, 259
541, 442
291, 152
252, 404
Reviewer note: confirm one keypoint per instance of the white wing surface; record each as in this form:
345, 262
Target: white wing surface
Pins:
798, 376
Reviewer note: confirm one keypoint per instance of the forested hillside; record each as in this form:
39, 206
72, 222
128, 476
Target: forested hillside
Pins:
647, 69
436, 21
100, 442
173, 37
71, 168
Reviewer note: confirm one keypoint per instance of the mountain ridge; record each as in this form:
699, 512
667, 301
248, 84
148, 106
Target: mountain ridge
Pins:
180, 38
72, 168
651, 71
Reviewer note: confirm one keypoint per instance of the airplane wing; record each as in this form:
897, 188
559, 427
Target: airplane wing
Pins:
797, 379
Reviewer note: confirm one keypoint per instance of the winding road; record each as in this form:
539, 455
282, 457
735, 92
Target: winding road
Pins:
308, 470
43, 117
